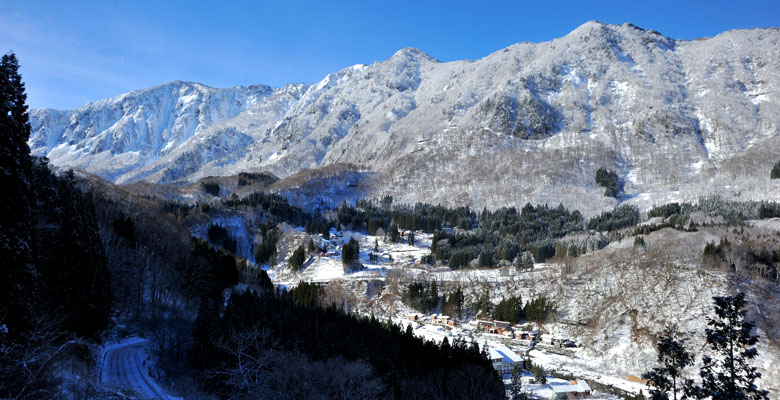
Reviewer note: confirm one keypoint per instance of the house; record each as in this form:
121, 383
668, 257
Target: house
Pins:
414, 317
503, 358
484, 325
499, 327
523, 335
571, 390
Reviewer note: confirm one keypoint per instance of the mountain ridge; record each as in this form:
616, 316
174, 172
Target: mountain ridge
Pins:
546, 114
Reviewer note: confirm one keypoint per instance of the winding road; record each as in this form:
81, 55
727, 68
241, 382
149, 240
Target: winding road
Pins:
124, 367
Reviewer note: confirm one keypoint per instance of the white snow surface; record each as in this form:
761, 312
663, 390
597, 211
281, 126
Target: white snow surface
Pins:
528, 123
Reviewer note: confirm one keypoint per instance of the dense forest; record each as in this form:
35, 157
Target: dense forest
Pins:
275, 332
55, 293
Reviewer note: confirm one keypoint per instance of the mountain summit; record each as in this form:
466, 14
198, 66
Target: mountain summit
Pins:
675, 119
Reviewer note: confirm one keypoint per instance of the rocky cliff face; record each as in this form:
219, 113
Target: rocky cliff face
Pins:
532, 122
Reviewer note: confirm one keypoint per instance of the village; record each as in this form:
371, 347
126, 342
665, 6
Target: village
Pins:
508, 346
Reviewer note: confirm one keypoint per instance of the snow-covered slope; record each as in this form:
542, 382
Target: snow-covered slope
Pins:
531, 122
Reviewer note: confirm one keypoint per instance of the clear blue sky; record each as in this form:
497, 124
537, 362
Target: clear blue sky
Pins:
73, 52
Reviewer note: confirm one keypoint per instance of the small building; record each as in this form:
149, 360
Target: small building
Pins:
572, 390
499, 327
414, 317
484, 325
523, 335
503, 358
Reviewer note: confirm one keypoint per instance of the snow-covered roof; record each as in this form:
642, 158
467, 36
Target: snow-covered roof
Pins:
498, 351
580, 386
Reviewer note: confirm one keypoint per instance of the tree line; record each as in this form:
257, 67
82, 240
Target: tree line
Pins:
54, 291
258, 329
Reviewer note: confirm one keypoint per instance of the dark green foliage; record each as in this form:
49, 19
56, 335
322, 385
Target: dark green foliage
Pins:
220, 268
539, 374
503, 233
393, 235
775, 174
542, 250
297, 259
211, 188
664, 211
176, 208
410, 238
125, 229
422, 297
609, 180
485, 259
619, 218
17, 286
311, 247
452, 304
406, 365
71, 259
460, 258
307, 294
673, 358
54, 284
675, 221
266, 250
714, 254
281, 210
509, 310
768, 210
525, 262
428, 259
639, 242
538, 309
729, 335
219, 236
516, 385
350, 251
248, 178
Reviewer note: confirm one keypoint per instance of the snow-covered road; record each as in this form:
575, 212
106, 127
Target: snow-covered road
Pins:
123, 366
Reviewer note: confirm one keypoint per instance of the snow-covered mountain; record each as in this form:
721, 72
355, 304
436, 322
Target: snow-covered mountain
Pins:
532, 122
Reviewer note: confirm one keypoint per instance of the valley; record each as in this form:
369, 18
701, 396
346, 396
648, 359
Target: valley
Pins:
553, 220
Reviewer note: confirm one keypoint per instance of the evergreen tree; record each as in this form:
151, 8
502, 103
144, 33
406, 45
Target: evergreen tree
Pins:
528, 261
730, 376
393, 233
485, 259
350, 251
673, 359
516, 387
298, 258
410, 238
18, 282
539, 374
609, 180
775, 174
